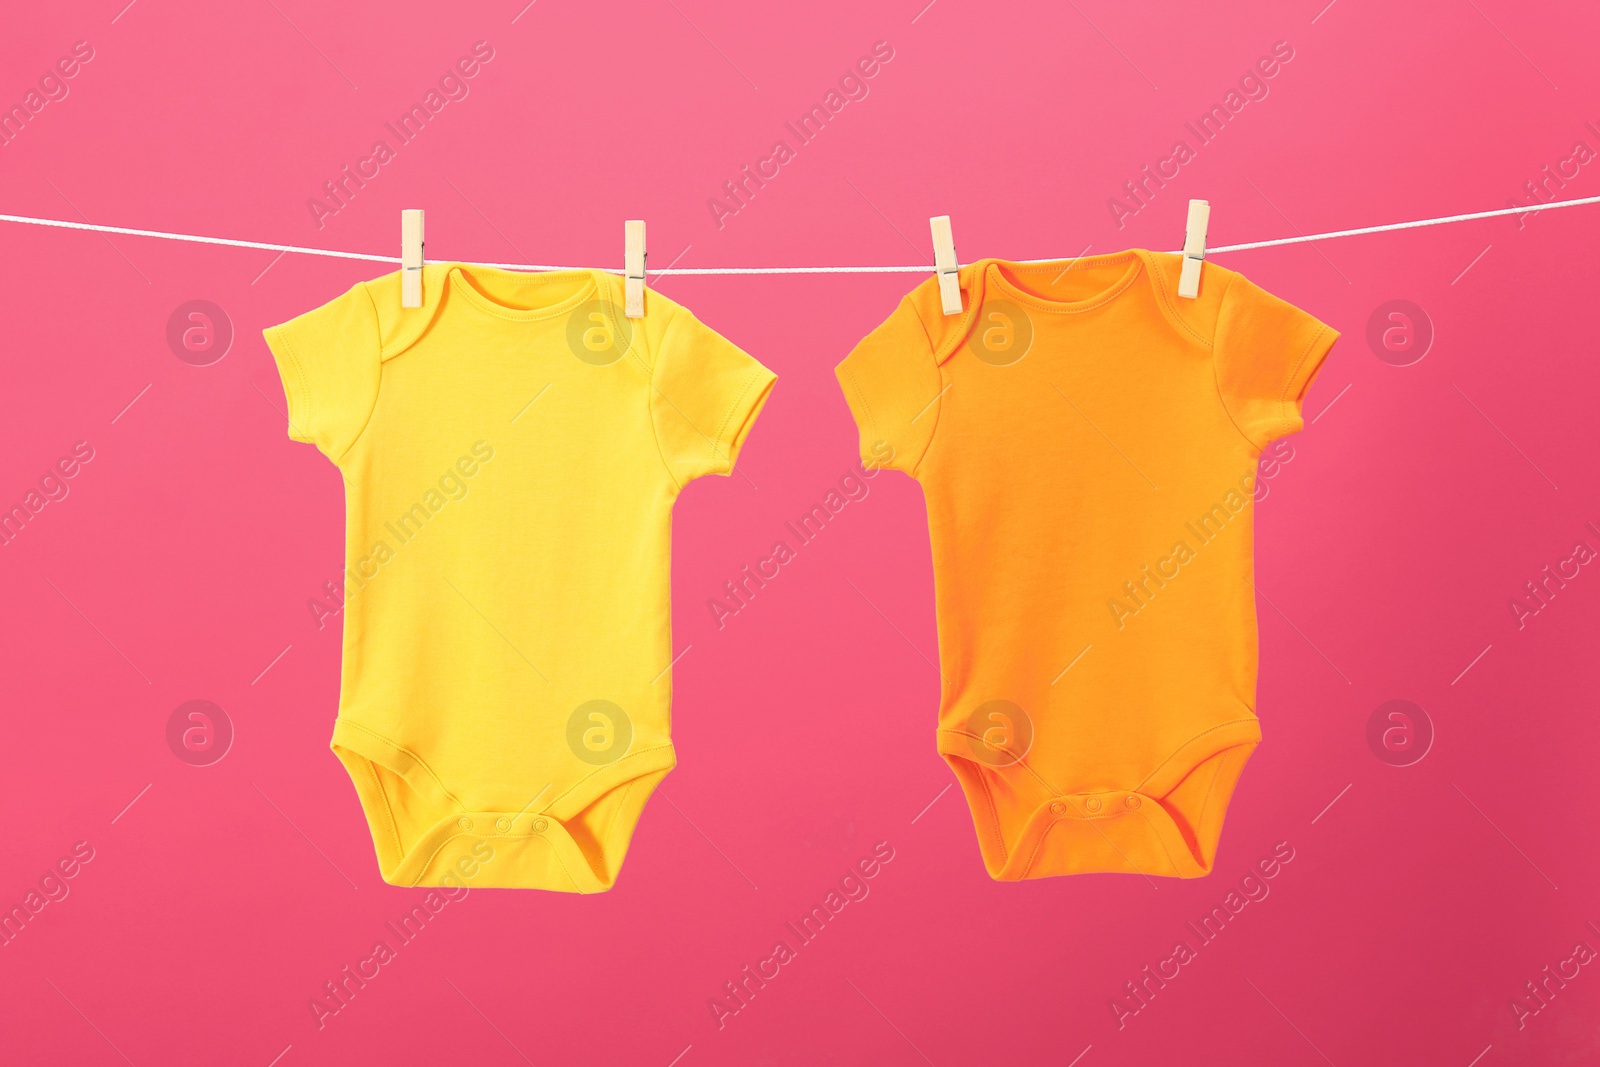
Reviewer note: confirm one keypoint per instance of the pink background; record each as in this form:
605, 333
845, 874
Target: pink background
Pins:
1416, 506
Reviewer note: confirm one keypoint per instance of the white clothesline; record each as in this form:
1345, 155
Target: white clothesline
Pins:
682, 271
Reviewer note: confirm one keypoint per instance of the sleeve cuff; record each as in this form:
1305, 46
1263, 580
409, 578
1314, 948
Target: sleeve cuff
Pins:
859, 412
296, 390
1300, 379
742, 416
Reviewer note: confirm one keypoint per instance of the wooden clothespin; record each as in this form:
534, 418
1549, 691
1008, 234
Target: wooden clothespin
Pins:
944, 264
633, 257
411, 258
1194, 248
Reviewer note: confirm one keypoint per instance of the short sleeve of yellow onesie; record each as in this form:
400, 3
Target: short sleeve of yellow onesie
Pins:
511, 452
1087, 443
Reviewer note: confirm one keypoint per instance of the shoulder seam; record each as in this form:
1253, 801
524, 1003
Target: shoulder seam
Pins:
1216, 369
938, 397
650, 395
1167, 307
377, 353
974, 293
860, 395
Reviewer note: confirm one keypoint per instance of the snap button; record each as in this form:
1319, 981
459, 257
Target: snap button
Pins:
539, 826
1133, 802
1058, 808
1093, 803
502, 824
464, 822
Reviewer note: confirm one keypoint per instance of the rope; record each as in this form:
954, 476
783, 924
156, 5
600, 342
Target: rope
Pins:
266, 246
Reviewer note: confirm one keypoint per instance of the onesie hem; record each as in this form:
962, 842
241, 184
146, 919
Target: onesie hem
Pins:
1140, 829
486, 848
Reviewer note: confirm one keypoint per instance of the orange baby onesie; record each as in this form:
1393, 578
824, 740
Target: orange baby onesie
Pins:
1087, 445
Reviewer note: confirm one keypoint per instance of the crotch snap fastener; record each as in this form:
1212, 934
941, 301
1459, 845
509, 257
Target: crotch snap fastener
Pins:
1093, 803
1058, 808
1133, 802
539, 826
502, 824
464, 822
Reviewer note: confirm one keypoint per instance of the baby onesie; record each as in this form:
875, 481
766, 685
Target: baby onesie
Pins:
1087, 446
511, 452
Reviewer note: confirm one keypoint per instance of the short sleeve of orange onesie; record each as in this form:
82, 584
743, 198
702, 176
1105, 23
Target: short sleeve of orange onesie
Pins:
1267, 353
1087, 443
891, 382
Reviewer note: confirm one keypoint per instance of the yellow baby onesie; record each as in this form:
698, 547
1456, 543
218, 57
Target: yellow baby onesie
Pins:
511, 452
1087, 445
